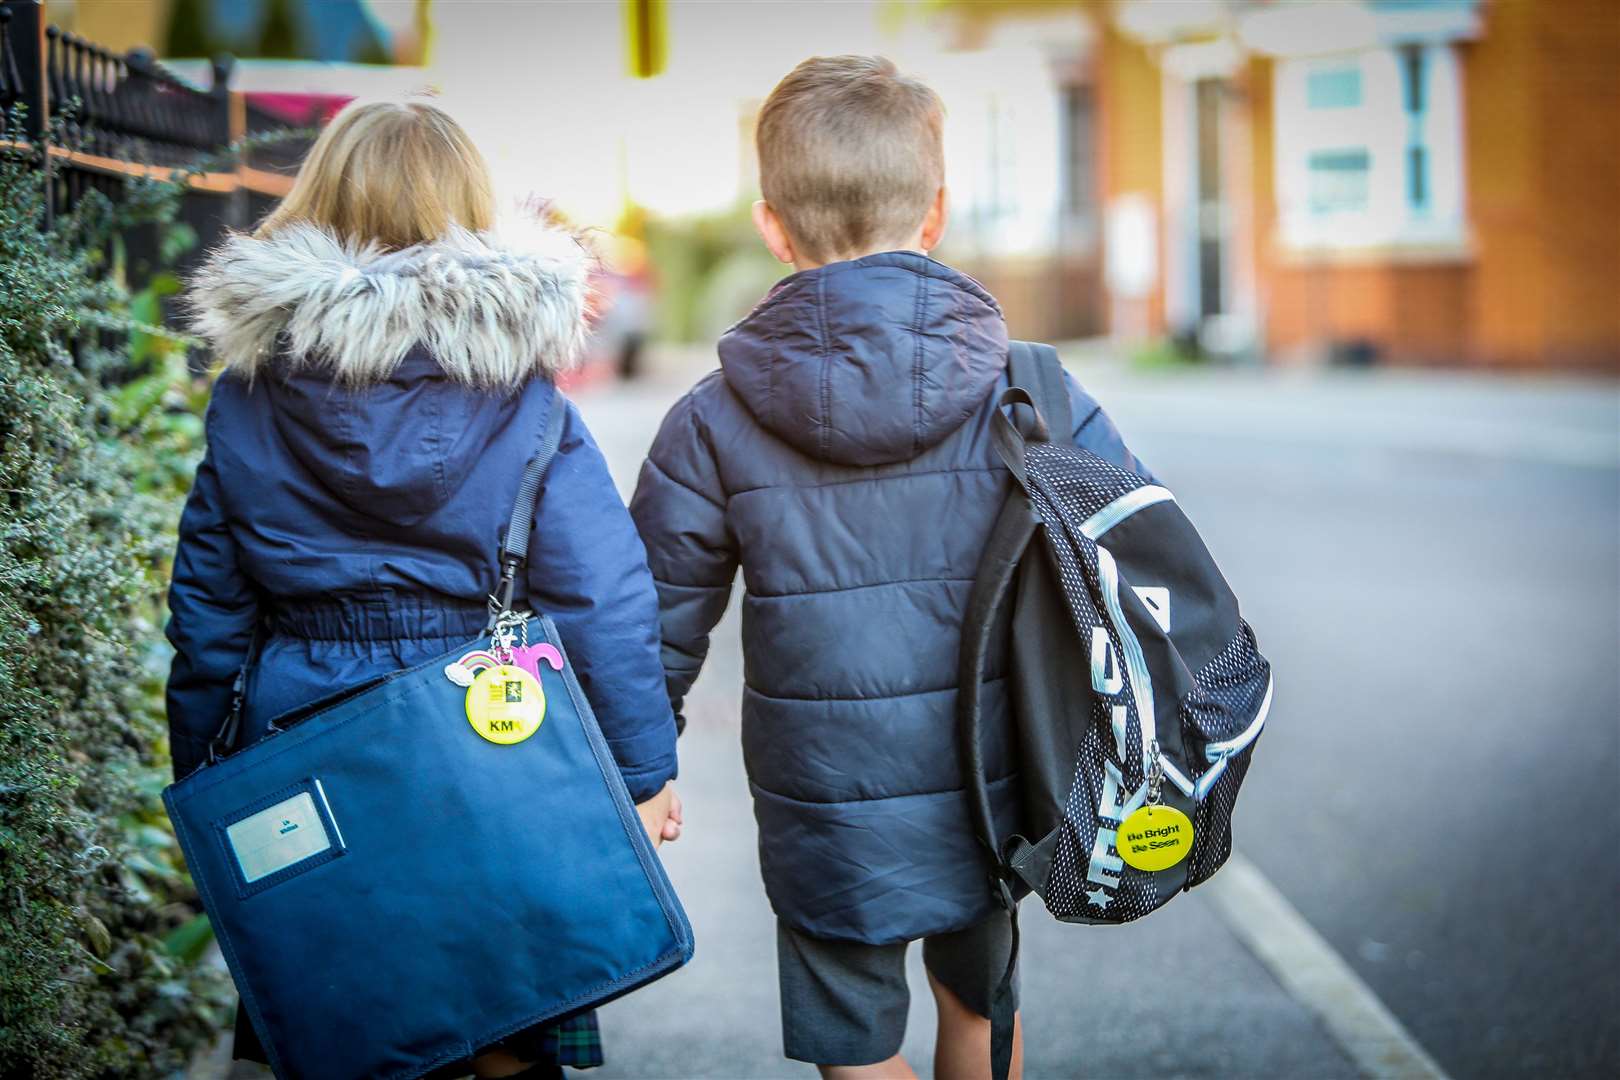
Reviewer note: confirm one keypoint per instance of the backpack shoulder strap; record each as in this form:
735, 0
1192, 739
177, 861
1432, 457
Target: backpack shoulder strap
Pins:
1038, 371
1037, 388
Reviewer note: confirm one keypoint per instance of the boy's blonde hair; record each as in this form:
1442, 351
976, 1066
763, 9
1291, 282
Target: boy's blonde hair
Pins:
390, 173
850, 155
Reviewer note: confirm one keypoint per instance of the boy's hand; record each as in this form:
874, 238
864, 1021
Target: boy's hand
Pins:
661, 815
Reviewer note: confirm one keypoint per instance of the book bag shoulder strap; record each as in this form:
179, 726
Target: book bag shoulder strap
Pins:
515, 548
516, 545
1038, 371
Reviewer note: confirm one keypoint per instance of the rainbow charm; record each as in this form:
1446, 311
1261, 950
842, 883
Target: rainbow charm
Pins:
463, 671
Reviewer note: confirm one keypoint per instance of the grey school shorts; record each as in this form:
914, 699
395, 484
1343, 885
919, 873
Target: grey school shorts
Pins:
844, 1003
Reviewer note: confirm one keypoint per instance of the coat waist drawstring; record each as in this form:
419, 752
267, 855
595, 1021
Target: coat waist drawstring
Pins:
390, 617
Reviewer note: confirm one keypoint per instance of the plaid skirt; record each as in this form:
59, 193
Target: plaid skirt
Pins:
575, 1042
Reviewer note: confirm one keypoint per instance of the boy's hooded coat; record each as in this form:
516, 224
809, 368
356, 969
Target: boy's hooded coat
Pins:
365, 443
842, 459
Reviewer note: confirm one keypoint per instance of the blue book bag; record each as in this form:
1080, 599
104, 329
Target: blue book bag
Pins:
394, 893
1137, 689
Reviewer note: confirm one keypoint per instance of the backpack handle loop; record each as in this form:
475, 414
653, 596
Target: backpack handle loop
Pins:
1008, 440
1035, 401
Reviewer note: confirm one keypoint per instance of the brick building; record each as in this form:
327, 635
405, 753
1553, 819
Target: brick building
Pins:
1415, 181
1407, 181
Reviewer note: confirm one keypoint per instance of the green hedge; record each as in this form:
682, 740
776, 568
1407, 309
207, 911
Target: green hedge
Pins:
101, 946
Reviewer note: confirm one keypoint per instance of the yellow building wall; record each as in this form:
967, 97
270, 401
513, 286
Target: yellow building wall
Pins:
119, 25
1503, 205
1257, 88
1542, 93
1131, 157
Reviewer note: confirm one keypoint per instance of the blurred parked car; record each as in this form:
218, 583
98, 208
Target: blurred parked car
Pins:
622, 318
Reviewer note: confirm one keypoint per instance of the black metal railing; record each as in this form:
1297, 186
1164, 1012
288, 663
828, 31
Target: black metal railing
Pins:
95, 120
283, 155
98, 117
131, 108
11, 79
22, 63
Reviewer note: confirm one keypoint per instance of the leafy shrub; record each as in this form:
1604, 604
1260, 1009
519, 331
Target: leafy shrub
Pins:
100, 943
712, 271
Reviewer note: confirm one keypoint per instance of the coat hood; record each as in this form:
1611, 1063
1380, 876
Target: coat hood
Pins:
867, 362
401, 449
492, 316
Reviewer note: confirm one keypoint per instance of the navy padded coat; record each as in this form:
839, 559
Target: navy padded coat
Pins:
841, 458
365, 444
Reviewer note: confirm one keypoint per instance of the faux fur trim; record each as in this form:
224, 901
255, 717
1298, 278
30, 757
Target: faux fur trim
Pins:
492, 316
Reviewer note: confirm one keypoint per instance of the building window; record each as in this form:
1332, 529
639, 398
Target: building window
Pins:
1417, 157
1078, 119
1417, 187
1339, 181
1333, 88
1368, 149
1412, 69
1000, 198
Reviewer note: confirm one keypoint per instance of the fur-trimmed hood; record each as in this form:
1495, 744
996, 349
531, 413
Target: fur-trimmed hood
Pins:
492, 316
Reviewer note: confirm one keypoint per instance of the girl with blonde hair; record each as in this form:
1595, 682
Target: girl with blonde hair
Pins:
387, 366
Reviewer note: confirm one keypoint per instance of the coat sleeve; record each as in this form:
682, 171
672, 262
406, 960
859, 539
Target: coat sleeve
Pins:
588, 571
213, 608
1094, 431
680, 509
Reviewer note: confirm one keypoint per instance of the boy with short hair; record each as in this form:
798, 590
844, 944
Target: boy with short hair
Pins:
842, 459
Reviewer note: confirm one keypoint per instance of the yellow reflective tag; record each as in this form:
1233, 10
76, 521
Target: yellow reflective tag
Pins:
505, 704
1155, 838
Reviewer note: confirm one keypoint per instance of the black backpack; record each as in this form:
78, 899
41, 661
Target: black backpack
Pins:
1136, 689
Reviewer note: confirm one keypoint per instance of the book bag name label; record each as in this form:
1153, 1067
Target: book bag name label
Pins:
277, 837
1156, 837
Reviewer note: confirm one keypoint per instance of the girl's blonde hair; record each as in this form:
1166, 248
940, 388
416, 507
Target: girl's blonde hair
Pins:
390, 173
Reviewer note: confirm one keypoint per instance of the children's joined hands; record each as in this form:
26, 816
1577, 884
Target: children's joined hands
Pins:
661, 815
